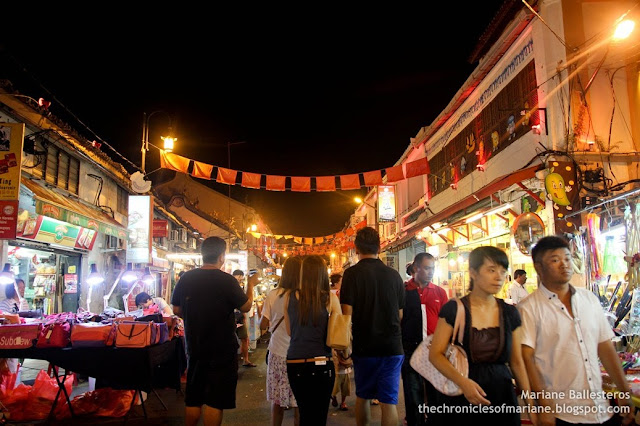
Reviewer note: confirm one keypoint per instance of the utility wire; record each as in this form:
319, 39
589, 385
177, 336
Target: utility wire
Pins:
53, 97
547, 25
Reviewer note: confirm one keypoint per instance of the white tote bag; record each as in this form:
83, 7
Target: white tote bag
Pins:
455, 354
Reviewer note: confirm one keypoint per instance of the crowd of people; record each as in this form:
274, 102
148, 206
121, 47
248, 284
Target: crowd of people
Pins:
545, 348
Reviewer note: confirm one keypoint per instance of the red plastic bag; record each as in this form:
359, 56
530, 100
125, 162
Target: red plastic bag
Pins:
46, 387
16, 401
104, 402
114, 403
7, 382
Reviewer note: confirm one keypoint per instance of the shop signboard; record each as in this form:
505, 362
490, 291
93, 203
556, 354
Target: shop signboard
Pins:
386, 204
57, 212
160, 228
11, 141
139, 244
48, 230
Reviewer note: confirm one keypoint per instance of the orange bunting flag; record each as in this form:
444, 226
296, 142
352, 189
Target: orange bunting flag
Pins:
372, 178
350, 231
201, 170
395, 173
340, 234
297, 240
349, 181
308, 241
251, 180
325, 183
173, 161
418, 167
319, 240
227, 176
300, 184
276, 183
361, 224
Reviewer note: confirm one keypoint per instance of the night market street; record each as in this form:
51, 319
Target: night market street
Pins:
437, 210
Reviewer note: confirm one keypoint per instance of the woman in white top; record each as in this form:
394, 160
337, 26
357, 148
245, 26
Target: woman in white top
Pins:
278, 389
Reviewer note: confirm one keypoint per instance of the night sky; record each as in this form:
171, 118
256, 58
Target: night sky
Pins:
326, 98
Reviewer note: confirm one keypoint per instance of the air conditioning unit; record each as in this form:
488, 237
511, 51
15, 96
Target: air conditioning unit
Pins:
110, 242
161, 241
182, 235
192, 243
174, 235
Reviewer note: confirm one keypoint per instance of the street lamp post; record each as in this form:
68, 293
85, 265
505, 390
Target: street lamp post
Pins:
168, 140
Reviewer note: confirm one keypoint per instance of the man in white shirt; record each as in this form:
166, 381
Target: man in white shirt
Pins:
517, 290
564, 333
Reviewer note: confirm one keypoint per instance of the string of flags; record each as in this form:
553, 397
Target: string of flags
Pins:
219, 174
350, 231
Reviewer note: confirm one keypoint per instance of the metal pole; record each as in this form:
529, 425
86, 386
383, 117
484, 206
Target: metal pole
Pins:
144, 140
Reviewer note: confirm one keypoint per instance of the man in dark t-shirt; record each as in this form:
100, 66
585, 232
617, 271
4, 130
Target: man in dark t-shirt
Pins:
373, 294
206, 298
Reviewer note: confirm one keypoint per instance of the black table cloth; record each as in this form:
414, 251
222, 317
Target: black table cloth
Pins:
120, 368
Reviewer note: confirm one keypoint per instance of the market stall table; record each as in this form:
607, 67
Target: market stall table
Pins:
139, 369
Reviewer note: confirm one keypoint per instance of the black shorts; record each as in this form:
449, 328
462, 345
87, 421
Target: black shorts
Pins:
212, 383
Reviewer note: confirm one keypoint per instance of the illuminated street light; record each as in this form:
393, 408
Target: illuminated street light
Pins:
254, 228
374, 207
168, 140
168, 143
623, 29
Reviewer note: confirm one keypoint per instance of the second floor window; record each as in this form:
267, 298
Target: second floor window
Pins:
123, 201
61, 169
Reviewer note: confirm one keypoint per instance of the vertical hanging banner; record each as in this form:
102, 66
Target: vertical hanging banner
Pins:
160, 228
140, 229
11, 140
386, 203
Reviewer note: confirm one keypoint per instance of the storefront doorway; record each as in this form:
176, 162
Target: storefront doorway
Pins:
50, 277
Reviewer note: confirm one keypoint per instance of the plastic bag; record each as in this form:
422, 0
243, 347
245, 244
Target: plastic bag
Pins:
16, 402
104, 402
46, 387
7, 382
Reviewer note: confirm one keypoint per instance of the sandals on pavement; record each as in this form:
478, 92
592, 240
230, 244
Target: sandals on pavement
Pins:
250, 364
343, 407
334, 401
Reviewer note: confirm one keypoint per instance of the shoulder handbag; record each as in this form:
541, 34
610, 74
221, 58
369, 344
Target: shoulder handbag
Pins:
266, 357
134, 334
339, 326
455, 354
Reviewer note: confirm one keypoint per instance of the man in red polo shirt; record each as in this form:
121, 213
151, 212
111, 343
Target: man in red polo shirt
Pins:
423, 300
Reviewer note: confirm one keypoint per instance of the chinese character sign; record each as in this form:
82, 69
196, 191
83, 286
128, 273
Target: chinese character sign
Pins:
11, 140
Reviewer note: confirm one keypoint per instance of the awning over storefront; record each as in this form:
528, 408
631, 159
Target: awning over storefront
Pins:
496, 185
50, 203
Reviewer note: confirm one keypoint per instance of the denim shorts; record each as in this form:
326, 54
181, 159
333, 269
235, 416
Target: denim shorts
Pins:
378, 377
